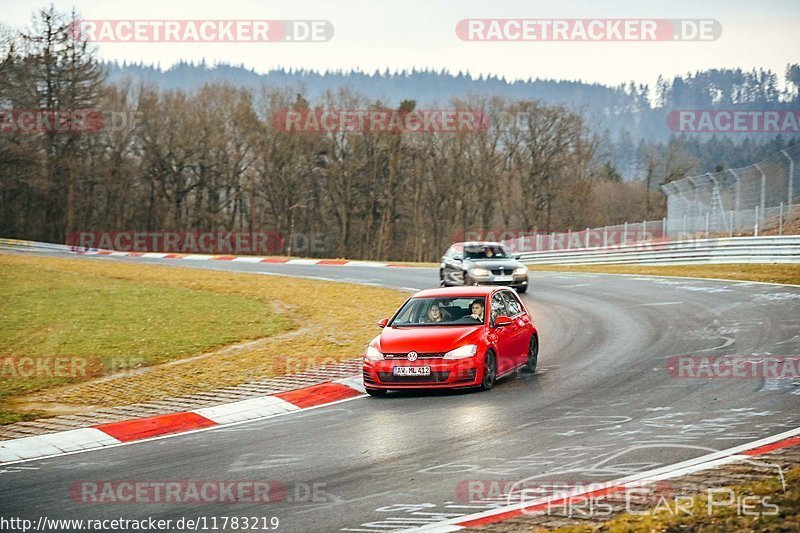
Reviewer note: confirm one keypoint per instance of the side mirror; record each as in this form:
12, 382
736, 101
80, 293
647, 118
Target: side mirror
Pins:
502, 320
382, 322
516, 256
457, 259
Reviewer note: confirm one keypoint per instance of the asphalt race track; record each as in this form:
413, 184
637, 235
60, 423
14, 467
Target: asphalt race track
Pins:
602, 405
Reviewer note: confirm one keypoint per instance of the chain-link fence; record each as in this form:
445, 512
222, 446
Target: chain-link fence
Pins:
761, 198
735, 201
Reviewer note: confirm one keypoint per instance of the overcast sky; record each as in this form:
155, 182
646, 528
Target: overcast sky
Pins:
421, 33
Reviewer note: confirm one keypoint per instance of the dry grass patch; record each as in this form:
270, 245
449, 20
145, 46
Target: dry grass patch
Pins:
321, 322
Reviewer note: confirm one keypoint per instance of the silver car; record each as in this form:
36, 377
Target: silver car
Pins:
482, 263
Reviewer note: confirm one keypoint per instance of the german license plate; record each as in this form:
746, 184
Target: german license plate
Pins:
503, 278
411, 371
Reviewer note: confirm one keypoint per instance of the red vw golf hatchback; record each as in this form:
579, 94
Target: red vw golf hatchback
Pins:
452, 337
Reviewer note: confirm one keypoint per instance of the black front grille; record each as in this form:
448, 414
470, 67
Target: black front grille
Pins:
434, 377
502, 271
420, 355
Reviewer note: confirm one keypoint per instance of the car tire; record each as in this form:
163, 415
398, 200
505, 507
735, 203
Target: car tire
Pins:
522, 290
489, 370
377, 393
533, 355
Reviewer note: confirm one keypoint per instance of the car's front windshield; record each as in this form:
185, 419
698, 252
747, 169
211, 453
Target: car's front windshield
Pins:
462, 311
484, 251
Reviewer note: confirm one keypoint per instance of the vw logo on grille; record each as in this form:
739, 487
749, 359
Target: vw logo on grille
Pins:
412, 356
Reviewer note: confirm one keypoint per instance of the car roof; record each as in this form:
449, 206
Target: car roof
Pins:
477, 243
471, 290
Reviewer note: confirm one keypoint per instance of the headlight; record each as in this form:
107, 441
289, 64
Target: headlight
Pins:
373, 354
479, 272
462, 353
519, 271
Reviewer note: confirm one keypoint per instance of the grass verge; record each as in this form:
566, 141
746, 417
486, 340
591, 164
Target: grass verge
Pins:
176, 325
745, 272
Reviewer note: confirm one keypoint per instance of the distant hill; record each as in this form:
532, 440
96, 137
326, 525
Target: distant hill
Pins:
628, 113
425, 86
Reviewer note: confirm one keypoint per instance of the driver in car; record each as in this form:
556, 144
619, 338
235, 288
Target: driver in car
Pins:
477, 310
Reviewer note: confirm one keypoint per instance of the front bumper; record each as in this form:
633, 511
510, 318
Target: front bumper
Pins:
514, 281
445, 374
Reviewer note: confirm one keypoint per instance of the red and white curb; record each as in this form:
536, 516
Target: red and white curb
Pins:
33, 246
731, 455
241, 259
116, 433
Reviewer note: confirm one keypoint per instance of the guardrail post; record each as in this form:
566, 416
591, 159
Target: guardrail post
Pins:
587, 237
569, 237
552, 240
763, 188
732, 218
755, 231
708, 221
538, 241
605, 236
791, 178
624, 234
780, 221
737, 195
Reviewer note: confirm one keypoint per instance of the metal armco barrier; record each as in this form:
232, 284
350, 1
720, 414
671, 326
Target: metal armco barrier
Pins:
32, 246
784, 249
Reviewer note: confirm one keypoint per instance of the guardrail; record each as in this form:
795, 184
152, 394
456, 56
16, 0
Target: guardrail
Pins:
33, 246
784, 249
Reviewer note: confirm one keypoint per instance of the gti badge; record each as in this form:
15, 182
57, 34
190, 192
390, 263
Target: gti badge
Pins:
412, 356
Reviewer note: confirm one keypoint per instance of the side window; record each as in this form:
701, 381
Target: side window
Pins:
498, 306
512, 303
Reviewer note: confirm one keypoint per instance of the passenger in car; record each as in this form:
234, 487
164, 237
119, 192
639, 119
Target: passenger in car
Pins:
435, 314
